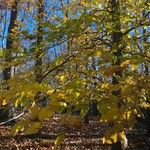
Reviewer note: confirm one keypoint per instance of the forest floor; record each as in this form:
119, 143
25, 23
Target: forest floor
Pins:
88, 137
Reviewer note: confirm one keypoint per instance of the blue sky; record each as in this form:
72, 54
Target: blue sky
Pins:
30, 23
29, 20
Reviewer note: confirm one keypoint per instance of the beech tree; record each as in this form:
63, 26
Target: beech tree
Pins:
101, 34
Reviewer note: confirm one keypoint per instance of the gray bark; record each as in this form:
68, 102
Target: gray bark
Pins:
5, 111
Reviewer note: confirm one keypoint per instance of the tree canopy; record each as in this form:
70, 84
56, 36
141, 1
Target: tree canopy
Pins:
77, 52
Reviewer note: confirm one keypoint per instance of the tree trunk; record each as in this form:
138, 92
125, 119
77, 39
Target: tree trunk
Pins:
5, 111
117, 52
39, 53
146, 111
38, 62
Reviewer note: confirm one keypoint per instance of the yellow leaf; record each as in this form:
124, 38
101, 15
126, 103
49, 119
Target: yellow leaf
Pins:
33, 128
98, 53
56, 106
50, 91
20, 126
110, 140
34, 113
59, 139
113, 137
44, 113
77, 94
83, 2
18, 101
110, 114
17, 128
134, 67
121, 135
5, 101
125, 63
62, 78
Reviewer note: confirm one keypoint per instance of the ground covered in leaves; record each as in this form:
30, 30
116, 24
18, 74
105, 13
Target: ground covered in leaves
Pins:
88, 137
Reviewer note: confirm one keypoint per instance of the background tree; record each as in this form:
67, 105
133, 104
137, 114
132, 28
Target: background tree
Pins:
103, 49
12, 27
